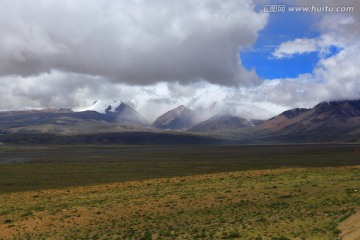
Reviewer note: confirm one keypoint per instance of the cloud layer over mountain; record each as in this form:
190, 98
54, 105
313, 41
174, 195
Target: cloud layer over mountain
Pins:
160, 54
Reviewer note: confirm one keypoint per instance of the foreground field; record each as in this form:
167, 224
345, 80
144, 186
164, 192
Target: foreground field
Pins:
296, 203
179, 192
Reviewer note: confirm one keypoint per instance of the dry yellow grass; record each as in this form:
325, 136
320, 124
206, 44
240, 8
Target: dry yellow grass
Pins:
261, 204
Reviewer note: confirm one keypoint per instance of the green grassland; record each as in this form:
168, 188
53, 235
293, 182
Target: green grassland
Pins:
179, 192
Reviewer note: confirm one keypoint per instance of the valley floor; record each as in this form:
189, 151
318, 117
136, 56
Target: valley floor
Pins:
244, 192
258, 204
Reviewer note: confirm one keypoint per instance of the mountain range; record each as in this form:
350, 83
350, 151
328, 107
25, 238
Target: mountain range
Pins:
118, 122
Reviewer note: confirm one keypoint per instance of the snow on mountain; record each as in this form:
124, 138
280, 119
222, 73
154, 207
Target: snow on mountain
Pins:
100, 106
115, 111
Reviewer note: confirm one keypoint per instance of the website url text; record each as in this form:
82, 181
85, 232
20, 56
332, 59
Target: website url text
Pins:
276, 8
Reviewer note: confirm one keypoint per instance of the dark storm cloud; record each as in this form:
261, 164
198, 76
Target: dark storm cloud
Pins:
138, 42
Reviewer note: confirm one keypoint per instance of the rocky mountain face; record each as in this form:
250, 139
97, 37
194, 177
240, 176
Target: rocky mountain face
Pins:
123, 113
66, 121
116, 112
282, 120
221, 123
177, 119
44, 116
325, 121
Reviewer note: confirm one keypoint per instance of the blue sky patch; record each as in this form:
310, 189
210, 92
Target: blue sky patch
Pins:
333, 50
283, 27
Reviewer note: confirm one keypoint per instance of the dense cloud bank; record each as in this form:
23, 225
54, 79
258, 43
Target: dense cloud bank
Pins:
137, 42
160, 54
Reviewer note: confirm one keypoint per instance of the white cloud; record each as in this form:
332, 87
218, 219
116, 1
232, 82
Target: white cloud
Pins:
297, 46
321, 45
138, 42
51, 90
339, 75
337, 29
334, 78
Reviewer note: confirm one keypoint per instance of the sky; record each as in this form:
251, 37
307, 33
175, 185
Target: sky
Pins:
212, 56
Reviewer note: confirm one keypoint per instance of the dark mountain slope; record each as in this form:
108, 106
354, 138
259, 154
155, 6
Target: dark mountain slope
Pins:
221, 123
125, 114
327, 121
177, 119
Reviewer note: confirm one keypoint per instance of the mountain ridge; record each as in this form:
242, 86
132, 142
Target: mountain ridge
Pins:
337, 121
223, 122
326, 121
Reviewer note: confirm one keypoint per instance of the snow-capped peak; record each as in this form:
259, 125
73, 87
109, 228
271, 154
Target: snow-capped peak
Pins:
101, 106
132, 103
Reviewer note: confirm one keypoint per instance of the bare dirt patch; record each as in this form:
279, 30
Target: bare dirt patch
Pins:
350, 228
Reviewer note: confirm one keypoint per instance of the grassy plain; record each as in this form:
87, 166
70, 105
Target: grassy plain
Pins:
154, 192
